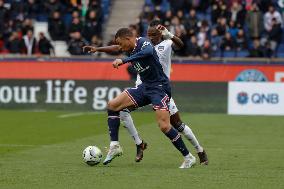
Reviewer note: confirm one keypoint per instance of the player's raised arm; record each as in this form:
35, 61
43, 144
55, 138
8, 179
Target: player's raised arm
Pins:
106, 49
177, 42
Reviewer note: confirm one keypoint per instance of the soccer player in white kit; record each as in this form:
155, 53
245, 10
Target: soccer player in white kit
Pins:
163, 41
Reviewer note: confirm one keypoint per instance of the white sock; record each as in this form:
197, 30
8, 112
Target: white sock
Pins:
113, 143
191, 137
127, 120
189, 155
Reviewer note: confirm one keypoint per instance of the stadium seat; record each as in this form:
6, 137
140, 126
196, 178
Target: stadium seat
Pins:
242, 54
41, 27
60, 48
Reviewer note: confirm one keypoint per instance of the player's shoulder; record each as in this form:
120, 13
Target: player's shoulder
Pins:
165, 44
143, 41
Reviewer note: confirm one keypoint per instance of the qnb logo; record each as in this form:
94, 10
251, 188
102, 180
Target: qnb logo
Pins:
258, 98
261, 98
242, 98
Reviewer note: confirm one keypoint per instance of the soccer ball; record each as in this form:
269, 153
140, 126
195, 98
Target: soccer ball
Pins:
92, 155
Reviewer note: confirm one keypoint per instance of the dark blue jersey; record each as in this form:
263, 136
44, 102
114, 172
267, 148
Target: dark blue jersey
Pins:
146, 62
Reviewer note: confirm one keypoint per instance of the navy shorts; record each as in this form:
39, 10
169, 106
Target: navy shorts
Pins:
158, 95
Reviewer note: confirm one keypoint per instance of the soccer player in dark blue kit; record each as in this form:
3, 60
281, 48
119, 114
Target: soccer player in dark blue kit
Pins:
155, 89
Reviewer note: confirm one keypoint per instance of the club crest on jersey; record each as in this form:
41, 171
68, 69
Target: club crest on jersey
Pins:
161, 48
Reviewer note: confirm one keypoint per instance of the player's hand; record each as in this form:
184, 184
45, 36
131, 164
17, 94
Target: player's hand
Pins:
165, 32
89, 49
116, 63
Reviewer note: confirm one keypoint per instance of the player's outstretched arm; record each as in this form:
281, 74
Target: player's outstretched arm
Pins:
177, 42
106, 49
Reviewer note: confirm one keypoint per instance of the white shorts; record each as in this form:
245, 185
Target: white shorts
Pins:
172, 107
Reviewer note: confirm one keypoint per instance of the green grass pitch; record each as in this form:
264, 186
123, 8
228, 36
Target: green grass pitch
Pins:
44, 150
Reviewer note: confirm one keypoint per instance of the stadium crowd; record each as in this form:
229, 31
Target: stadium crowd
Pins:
78, 23
214, 28
243, 28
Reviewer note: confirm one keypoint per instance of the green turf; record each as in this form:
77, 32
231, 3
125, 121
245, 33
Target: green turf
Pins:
44, 149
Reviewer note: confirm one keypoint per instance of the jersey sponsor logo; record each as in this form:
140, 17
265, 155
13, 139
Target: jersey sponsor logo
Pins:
251, 75
161, 48
146, 43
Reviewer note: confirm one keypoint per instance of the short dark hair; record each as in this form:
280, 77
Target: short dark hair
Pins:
123, 32
155, 23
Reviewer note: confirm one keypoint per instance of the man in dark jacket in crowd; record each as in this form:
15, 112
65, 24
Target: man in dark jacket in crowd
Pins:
76, 44
44, 45
56, 27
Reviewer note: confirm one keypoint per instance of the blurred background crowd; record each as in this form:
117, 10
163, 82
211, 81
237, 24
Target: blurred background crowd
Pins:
76, 22
230, 28
213, 28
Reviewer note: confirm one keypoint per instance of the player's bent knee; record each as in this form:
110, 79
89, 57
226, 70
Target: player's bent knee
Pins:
124, 115
111, 105
178, 125
164, 125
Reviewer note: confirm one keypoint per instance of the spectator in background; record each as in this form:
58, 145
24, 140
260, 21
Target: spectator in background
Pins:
10, 28
191, 22
206, 50
44, 45
214, 12
76, 44
95, 5
4, 15
31, 9
56, 27
241, 43
256, 50
76, 26
17, 11
232, 29
254, 20
193, 50
14, 43
223, 10
176, 5
29, 43
215, 40
179, 32
281, 5
221, 26
176, 25
275, 36
27, 25
181, 16
228, 43
52, 6
92, 26
272, 13
167, 18
235, 12
201, 36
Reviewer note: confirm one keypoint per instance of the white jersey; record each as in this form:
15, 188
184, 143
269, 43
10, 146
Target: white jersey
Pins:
164, 52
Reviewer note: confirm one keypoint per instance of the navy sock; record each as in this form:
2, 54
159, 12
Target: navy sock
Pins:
113, 124
177, 141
